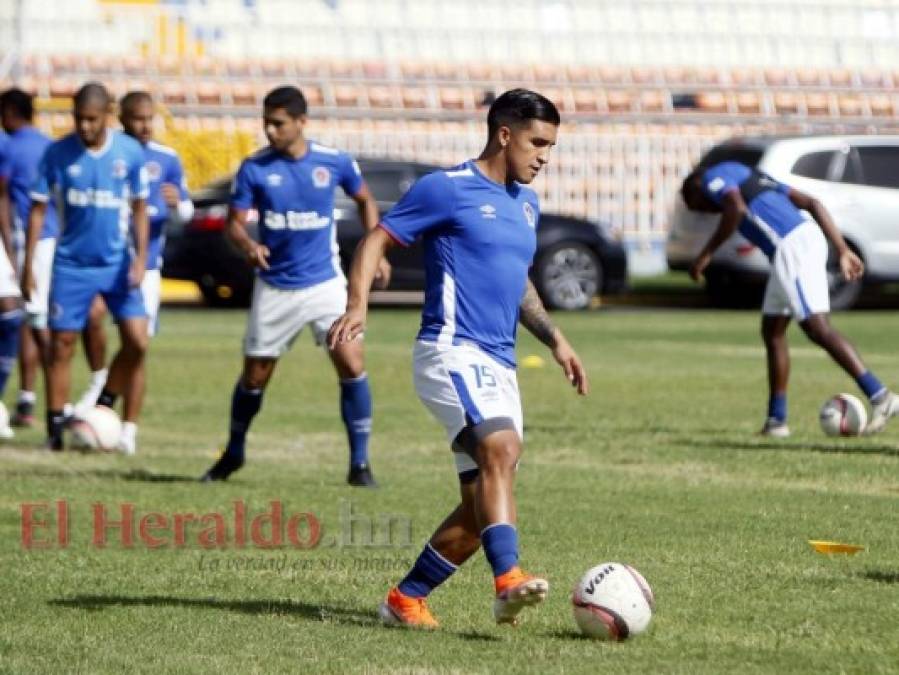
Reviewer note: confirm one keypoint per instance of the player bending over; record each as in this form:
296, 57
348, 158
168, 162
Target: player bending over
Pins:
768, 214
291, 184
478, 222
94, 173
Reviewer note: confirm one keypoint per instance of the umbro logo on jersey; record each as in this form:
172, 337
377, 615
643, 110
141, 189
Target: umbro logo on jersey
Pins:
321, 177
530, 215
119, 168
274, 180
74, 170
716, 184
488, 211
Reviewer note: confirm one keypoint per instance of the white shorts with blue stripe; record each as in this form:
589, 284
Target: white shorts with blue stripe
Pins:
797, 285
463, 387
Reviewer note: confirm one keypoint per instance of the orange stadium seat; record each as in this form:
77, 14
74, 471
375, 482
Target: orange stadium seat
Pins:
99, 65
134, 65
415, 97
481, 72
518, 73
243, 94
808, 77
237, 67
454, 98
305, 68
273, 67
642, 75
743, 76
60, 64
840, 77
374, 70
610, 74
654, 101
579, 74
748, 103
174, 93
169, 65
618, 101
872, 78
558, 97
708, 76
418, 70
881, 105
786, 102
851, 105
776, 77
343, 69
346, 95
312, 93
679, 75
62, 87
711, 102
380, 96
817, 103
209, 93
585, 100
546, 72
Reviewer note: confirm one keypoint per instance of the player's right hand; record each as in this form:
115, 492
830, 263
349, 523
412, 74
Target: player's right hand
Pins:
699, 265
347, 328
27, 284
258, 256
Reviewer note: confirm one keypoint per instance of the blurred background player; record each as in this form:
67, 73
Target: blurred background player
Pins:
767, 213
10, 298
18, 171
168, 200
291, 184
478, 222
95, 173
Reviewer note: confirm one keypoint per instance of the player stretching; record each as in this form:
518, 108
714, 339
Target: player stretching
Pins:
168, 199
768, 214
17, 175
94, 173
479, 224
291, 183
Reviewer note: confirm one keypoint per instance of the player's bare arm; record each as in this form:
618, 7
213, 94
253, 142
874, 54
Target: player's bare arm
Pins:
5, 224
140, 227
733, 210
35, 227
257, 254
371, 250
368, 214
851, 265
533, 316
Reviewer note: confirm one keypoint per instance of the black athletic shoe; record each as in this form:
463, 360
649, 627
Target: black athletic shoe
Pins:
54, 444
24, 415
361, 476
224, 467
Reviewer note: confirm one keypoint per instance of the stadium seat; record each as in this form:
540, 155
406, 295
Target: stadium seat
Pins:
817, 103
273, 67
346, 95
881, 105
786, 103
380, 96
610, 74
808, 77
455, 98
840, 77
243, 94
174, 93
748, 103
711, 102
418, 70
209, 92
169, 65
618, 101
585, 100
415, 97
62, 87
851, 105
237, 67
654, 101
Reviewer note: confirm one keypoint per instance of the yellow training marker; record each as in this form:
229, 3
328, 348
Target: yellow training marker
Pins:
532, 361
834, 547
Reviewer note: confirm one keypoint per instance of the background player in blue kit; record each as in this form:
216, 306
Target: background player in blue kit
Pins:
767, 213
10, 298
291, 184
478, 222
18, 171
168, 200
95, 173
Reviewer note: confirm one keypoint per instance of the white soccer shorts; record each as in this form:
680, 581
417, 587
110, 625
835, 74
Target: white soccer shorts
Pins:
797, 285
41, 269
9, 282
462, 386
277, 316
151, 289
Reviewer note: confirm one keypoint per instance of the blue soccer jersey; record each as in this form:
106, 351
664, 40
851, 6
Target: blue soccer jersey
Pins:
163, 166
771, 214
92, 189
479, 241
295, 201
19, 167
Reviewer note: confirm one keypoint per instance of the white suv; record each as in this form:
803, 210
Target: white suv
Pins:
855, 177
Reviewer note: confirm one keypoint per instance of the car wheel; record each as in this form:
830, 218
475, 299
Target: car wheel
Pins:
843, 294
567, 276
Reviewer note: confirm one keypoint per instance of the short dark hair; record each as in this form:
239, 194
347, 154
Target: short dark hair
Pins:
518, 106
289, 98
131, 99
690, 186
92, 92
20, 102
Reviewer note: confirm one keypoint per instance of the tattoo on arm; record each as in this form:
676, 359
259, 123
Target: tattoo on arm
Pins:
533, 316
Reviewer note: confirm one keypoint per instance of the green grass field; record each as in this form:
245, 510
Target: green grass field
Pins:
658, 467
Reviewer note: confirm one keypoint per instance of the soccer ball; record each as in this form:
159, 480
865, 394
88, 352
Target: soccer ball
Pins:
97, 429
843, 415
612, 601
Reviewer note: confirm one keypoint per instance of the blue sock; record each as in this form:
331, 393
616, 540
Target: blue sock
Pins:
869, 384
500, 542
9, 344
777, 407
245, 403
355, 408
429, 571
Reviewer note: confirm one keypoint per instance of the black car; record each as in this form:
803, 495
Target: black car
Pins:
575, 260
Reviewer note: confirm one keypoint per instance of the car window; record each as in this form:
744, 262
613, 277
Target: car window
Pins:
732, 152
880, 165
813, 165
387, 185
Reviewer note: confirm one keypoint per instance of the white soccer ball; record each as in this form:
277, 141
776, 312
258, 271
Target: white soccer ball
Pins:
612, 601
97, 429
843, 415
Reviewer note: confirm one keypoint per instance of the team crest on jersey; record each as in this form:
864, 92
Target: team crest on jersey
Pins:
74, 170
529, 214
119, 168
274, 179
321, 177
716, 184
154, 171
488, 211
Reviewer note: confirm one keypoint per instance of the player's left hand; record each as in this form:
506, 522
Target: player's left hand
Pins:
170, 194
699, 265
136, 272
851, 266
566, 357
382, 274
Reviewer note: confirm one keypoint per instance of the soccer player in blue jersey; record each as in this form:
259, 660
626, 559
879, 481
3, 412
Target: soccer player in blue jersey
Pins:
770, 215
168, 201
18, 172
291, 185
95, 174
478, 222
10, 298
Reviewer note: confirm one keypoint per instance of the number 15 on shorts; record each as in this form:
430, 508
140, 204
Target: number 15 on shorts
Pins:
483, 375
